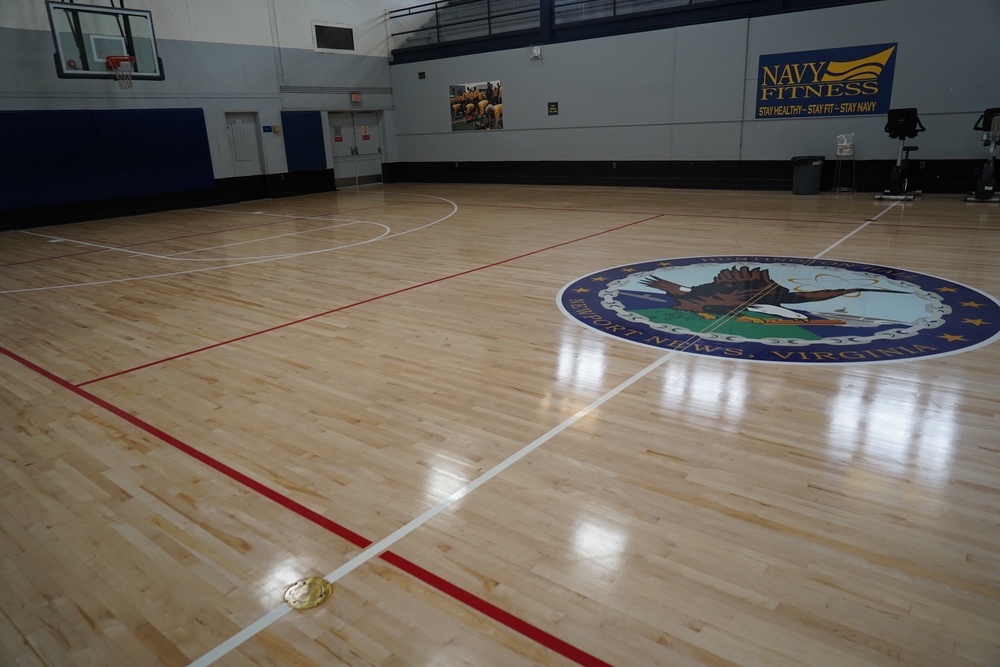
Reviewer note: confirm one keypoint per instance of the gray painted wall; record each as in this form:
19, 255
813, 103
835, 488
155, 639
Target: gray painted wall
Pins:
688, 93
216, 77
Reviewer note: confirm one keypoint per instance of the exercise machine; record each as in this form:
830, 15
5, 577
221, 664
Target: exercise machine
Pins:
902, 124
989, 125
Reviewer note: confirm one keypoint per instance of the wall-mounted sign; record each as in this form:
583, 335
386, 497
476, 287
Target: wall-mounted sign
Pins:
853, 80
553, 108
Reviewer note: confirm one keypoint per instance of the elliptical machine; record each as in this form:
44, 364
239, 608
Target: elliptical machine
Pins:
902, 124
989, 124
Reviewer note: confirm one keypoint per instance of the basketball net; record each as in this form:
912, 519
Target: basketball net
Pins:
122, 66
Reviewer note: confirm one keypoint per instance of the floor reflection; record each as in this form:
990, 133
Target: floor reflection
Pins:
604, 542
906, 425
716, 392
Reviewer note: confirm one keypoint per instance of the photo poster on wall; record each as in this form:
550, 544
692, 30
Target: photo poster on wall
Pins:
846, 81
476, 106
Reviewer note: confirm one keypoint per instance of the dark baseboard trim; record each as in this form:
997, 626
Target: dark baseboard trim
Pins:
937, 176
226, 191
350, 182
299, 183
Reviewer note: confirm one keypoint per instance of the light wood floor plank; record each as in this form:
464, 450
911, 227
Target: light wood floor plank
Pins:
714, 512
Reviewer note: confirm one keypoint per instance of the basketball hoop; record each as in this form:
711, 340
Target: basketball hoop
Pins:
122, 66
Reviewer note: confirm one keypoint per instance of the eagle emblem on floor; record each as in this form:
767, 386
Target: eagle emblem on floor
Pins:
745, 292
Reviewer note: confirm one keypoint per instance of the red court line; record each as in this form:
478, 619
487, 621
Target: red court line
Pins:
494, 612
432, 580
362, 302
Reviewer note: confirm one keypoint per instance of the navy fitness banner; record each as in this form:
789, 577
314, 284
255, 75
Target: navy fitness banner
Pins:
830, 82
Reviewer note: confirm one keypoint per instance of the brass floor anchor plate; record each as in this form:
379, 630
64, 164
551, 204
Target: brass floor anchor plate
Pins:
308, 593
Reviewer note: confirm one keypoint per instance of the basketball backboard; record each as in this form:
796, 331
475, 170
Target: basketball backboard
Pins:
85, 35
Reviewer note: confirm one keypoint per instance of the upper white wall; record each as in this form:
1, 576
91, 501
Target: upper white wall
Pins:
222, 21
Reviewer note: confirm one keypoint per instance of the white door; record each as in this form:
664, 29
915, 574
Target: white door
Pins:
244, 143
356, 147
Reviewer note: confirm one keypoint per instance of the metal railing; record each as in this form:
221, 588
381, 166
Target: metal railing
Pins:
573, 11
451, 20
444, 21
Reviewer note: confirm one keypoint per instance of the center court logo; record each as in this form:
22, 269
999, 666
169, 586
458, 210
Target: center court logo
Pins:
783, 309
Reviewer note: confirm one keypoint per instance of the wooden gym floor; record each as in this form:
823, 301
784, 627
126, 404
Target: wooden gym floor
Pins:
376, 387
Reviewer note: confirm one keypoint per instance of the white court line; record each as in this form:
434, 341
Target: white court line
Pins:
866, 223
174, 256
374, 550
345, 223
454, 210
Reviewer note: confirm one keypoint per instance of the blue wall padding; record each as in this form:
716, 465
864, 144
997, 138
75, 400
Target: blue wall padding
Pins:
64, 157
304, 145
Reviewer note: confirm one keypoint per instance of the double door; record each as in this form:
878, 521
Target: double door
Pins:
356, 147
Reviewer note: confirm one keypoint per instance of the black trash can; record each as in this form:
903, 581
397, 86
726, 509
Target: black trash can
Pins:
806, 170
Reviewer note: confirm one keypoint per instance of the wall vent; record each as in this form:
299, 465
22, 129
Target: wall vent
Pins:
331, 38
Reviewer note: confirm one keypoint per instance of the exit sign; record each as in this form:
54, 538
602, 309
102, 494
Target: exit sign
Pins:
356, 98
